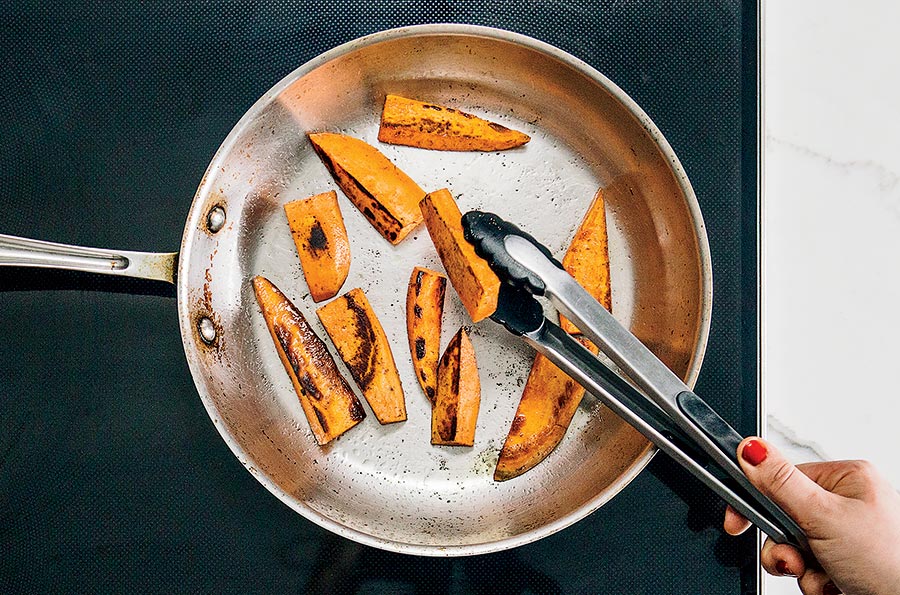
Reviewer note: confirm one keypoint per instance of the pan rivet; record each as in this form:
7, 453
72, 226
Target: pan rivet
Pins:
215, 219
207, 330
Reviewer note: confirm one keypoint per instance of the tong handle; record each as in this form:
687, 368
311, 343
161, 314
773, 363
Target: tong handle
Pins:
629, 404
704, 417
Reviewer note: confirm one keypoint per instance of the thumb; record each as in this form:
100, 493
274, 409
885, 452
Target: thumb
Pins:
776, 477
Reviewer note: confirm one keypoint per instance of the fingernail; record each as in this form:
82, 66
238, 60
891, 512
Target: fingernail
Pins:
754, 452
830, 589
782, 568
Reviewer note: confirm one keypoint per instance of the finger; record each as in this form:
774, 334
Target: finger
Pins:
734, 523
781, 560
781, 481
832, 474
851, 479
816, 582
822, 472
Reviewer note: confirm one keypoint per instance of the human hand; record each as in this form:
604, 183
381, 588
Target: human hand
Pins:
849, 512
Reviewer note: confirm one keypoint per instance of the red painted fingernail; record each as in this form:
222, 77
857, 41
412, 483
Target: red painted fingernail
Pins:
754, 452
830, 589
782, 568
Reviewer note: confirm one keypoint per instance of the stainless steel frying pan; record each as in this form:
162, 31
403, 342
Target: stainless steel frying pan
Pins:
386, 486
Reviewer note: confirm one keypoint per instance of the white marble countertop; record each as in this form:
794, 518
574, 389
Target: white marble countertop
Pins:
831, 232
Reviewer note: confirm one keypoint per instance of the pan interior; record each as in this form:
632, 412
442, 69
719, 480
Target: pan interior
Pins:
386, 485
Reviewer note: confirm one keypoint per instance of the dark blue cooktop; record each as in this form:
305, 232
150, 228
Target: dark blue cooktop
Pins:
113, 478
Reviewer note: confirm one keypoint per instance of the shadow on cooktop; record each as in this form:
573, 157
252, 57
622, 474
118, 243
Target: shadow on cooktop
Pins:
343, 567
705, 511
32, 279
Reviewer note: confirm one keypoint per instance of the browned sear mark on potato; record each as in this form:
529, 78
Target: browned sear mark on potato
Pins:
317, 228
323, 421
317, 239
548, 403
471, 276
383, 193
424, 308
309, 387
426, 125
458, 395
356, 410
517, 423
365, 201
284, 339
450, 363
419, 274
447, 425
328, 402
362, 365
363, 346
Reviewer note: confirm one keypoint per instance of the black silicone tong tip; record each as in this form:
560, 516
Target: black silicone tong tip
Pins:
487, 233
518, 310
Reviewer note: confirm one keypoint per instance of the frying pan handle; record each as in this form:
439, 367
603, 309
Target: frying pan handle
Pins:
25, 252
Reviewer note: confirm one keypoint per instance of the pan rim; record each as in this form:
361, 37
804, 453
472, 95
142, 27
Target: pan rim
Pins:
194, 220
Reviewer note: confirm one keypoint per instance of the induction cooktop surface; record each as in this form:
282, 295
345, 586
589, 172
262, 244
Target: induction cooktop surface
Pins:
113, 478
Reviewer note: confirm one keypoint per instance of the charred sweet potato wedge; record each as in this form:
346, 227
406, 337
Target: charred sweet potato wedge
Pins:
545, 411
424, 311
587, 258
362, 344
551, 398
387, 197
430, 126
472, 278
455, 411
321, 239
330, 405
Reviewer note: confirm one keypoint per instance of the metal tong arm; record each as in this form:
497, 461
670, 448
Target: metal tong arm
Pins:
523, 315
623, 400
523, 262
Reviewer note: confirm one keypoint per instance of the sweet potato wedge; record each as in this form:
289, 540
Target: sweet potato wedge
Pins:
429, 126
360, 340
321, 239
472, 278
551, 398
387, 197
458, 398
329, 403
587, 258
424, 310
545, 411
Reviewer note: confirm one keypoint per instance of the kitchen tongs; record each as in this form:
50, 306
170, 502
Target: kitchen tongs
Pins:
662, 407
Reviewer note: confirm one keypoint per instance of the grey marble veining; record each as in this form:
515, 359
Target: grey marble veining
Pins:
796, 448
831, 233
887, 178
